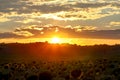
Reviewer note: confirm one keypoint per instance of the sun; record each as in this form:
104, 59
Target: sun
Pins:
55, 40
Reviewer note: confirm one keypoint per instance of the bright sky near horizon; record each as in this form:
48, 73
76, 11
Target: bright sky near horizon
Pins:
81, 19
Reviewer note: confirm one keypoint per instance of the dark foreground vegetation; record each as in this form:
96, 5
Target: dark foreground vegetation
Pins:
99, 69
44, 61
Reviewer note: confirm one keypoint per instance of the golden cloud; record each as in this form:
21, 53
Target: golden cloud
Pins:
23, 33
115, 23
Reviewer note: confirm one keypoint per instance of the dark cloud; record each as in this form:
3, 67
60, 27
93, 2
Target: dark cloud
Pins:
69, 15
51, 8
19, 6
24, 6
90, 5
10, 35
116, 4
72, 32
100, 34
32, 30
7, 6
63, 32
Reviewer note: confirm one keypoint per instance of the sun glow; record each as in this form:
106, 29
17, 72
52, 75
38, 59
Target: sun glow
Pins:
55, 40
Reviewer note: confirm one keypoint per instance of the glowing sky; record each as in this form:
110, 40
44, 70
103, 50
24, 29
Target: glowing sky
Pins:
94, 19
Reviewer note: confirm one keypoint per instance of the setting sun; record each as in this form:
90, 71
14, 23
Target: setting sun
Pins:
55, 40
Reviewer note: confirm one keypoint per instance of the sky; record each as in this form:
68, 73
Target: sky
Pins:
88, 19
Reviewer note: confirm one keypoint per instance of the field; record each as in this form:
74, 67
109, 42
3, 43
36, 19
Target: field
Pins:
14, 65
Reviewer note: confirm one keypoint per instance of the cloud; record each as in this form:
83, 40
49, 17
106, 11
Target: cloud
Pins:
80, 13
65, 32
73, 32
27, 10
101, 34
46, 6
100, 23
21, 34
32, 29
89, 14
115, 23
9, 35
28, 7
